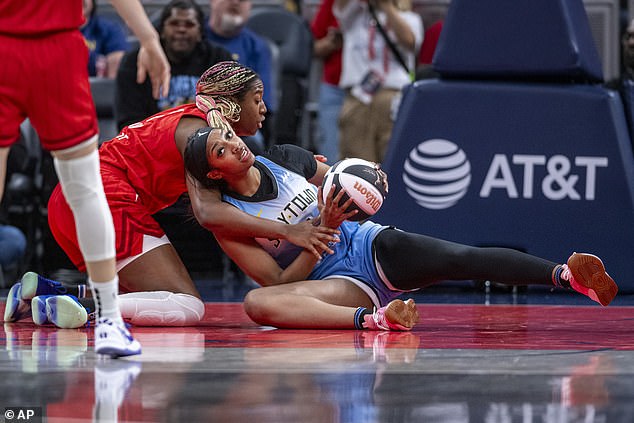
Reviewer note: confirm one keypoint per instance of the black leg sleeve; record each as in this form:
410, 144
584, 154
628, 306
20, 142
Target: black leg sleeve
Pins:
414, 261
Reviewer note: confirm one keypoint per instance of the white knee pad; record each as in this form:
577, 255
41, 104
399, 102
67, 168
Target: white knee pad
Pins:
81, 184
161, 308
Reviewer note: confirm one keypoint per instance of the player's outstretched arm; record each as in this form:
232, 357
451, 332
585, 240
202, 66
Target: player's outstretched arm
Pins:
260, 266
151, 60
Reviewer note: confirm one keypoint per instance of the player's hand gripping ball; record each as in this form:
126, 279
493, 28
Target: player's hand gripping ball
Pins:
360, 179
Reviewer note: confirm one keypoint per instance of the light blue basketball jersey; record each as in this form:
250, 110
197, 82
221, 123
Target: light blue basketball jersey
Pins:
296, 202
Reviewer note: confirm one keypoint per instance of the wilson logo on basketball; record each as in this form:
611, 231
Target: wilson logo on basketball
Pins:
370, 199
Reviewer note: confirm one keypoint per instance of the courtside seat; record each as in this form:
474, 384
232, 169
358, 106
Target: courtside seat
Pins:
23, 200
520, 150
523, 40
103, 91
275, 87
291, 33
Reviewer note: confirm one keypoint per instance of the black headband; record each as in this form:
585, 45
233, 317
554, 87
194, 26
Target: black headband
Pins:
196, 154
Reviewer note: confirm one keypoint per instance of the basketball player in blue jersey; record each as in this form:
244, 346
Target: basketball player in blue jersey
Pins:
355, 282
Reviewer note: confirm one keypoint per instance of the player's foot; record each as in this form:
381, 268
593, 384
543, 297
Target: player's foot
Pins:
64, 311
34, 285
397, 315
113, 338
586, 274
16, 308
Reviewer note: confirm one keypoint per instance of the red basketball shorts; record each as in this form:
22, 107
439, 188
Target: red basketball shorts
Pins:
131, 219
46, 79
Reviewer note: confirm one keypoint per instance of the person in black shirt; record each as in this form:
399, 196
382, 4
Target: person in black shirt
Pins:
180, 26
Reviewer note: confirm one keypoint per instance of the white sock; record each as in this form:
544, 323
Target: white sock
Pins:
105, 296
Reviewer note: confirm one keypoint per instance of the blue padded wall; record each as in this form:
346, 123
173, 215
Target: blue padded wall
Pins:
508, 148
540, 167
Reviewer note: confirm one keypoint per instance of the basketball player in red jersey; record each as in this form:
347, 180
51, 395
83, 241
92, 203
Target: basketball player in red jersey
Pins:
44, 77
143, 172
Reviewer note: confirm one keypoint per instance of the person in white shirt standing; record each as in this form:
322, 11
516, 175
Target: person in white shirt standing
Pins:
373, 73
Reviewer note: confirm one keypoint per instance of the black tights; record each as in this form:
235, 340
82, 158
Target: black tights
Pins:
415, 261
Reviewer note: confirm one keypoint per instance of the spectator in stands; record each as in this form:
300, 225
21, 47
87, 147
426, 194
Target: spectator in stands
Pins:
12, 240
627, 58
181, 30
106, 42
372, 73
430, 40
327, 47
227, 27
12, 244
628, 50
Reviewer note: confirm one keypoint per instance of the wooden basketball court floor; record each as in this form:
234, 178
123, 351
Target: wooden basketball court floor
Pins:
468, 360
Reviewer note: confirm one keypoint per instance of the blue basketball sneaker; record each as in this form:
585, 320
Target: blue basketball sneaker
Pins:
64, 311
38, 310
34, 285
112, 338
16, 308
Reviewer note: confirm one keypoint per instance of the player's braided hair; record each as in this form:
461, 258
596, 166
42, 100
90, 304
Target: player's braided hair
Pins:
221, 88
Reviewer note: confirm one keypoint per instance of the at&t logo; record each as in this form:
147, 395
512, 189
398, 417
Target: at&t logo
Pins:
437, 174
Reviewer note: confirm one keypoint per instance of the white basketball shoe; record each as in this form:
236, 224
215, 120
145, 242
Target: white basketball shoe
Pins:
113, 338
64, 311
16, 308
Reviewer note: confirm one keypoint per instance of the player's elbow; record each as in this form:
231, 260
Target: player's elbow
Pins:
207, 219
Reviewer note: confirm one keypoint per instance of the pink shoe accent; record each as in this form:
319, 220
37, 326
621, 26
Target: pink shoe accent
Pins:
397, 315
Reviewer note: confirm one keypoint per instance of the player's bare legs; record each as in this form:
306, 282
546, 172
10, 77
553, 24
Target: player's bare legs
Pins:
159, 269
325, 304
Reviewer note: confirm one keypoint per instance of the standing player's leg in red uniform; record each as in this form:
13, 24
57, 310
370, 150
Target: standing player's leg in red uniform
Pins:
46, 80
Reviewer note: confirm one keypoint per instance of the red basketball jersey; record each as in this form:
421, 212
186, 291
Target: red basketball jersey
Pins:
146, 152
